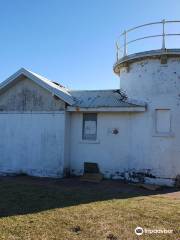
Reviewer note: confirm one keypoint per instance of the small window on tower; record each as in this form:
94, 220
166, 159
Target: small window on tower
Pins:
163, 121
89, 126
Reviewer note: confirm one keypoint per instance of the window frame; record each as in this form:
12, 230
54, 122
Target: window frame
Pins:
92, 116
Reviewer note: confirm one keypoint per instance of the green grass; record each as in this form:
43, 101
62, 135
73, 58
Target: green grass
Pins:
33, 208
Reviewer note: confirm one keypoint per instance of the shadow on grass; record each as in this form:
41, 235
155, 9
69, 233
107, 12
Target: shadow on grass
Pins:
23, 195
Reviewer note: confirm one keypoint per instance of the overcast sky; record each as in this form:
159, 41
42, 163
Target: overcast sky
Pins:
73, 41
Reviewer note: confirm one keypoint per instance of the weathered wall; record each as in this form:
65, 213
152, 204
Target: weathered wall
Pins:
67, 129
110, 151
32, 143
32, 131
132, 154
159, 85
150, 80
25, 95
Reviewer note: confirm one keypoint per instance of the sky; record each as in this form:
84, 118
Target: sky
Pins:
73, 41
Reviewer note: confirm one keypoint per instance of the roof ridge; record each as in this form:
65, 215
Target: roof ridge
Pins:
45, 78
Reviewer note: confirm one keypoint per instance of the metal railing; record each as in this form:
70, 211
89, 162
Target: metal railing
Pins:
163, 35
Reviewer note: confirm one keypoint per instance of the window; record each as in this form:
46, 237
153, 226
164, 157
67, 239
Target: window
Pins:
89, 126
163, 121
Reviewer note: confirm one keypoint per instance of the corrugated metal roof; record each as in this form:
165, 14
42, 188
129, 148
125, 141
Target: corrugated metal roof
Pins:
103, 98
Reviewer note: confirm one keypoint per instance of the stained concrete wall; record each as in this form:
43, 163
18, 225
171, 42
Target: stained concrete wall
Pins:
150, 80
67, 149
32, 143
158, 85
133, 154
25, 95
111, 152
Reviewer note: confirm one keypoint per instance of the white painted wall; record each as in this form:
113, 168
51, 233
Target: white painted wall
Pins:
150, 80
67, 129
134, 149
159, 85
110, 151
32, 143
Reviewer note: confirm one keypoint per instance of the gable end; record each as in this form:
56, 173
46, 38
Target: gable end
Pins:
25, 95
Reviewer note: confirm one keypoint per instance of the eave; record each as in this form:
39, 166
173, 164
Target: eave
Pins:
107, 109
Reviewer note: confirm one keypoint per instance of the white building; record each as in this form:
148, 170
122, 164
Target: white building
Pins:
48, 130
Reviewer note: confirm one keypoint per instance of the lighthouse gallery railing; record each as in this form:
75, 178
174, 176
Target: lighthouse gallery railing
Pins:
126, 43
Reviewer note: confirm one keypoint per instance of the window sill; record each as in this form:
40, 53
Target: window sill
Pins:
170, 134
89, 142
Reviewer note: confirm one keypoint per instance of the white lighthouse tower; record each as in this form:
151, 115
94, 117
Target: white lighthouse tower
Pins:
154, 77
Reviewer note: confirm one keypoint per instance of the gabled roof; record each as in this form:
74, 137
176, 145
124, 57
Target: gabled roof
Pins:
105, 99
54, 88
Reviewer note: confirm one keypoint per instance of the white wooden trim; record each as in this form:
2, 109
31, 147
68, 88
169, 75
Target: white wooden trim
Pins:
32, 112
107, 109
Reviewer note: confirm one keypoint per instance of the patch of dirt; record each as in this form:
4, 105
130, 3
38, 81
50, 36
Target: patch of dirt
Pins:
111, 237
76, 229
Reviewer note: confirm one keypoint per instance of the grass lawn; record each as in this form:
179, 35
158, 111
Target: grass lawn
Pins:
34, 208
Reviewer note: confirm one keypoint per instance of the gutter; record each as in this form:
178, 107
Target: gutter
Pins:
107, 109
